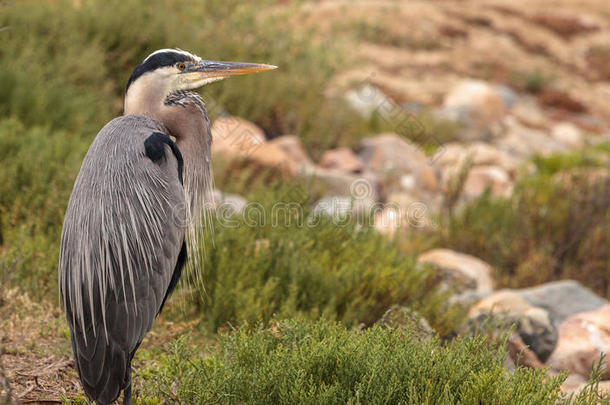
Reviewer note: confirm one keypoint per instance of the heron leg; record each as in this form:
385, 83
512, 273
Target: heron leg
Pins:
127, 391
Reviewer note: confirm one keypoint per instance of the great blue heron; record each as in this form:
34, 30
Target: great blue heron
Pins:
137, 196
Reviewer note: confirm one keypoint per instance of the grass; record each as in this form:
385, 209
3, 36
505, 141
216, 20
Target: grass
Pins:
556, 224
297, 266
378, 32
325, 363
62, 75
66, 67
39, 168
531, 81
598, 57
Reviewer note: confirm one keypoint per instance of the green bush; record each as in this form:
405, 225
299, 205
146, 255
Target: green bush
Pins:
67, 66
555, 225
39, 167
324, 363
281, 265
63, 70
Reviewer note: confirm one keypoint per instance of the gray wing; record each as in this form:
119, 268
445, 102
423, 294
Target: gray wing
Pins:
122, 238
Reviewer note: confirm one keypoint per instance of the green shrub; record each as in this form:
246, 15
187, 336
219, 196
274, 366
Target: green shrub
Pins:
67, 66
555, 225
63, 70
531, 81
324, 363
281, 265
39, 167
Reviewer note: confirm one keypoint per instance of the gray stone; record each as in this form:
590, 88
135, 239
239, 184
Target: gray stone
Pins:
336, 183
408, 320
227, 205
534, 324
367, 99
562, 298
342, 207
391, 157
508, 95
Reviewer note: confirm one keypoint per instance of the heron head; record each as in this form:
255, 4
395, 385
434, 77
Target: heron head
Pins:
168, 70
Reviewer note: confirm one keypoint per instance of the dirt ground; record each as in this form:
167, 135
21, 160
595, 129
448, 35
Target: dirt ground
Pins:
35, 359
36, 363
416, 50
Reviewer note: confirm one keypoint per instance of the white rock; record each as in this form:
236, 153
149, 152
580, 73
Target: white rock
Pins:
480, 153
392, 157
480, 100
367, 99
342, 207
466, 269
227, 205
403, 212
568, 134
480, 178
525, 142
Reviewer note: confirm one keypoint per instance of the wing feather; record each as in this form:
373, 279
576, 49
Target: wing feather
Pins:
122, 236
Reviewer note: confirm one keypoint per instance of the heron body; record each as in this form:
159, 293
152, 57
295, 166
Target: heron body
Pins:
134, 213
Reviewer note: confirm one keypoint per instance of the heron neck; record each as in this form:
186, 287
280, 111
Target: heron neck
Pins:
183, 114
191, 128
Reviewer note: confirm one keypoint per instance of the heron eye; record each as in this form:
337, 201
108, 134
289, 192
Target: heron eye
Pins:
181, 66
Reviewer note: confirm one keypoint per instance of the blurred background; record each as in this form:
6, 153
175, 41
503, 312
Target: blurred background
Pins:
409, 163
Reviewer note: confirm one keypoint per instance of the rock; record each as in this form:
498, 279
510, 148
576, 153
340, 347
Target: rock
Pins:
391, 157
408, 320
534, 324
401, 212
272, 156
333, 183
343, 207
342, 159
367, 99
233, 136
573, 382
468, 298
481, 178
291, 144
227, 205
418, 211
468, 272
508, 95
562, 298
480, 102
237, 139
520, 354
604, 386
576, 384
568, 135
525, 142
567, 24
582, 339
389, 221
590, 123
528, 112
478, 180
456, 154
